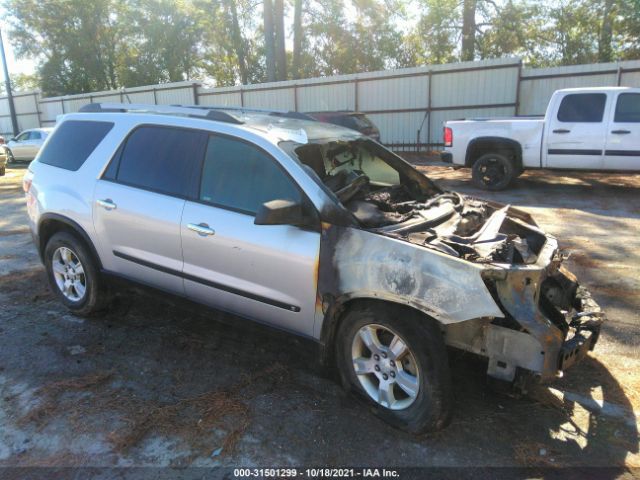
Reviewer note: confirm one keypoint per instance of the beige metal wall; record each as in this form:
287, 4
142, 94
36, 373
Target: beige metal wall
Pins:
408, 105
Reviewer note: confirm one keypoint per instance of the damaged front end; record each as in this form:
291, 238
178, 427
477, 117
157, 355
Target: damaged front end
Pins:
549, 321
485, 271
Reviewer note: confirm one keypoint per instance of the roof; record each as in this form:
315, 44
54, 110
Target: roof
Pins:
276, 124
597, 89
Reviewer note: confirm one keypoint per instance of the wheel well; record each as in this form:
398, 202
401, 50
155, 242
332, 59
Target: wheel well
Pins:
510, 148
52, 224
336, 314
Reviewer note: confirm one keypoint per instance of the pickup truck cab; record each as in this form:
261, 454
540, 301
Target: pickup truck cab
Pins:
583, 129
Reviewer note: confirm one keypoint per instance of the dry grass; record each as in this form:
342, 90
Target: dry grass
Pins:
51, 392
208, 422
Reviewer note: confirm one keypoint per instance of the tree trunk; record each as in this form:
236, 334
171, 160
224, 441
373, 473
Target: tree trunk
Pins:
468, 30
269, 43
281, 55
238, 41
297, 38
605, 53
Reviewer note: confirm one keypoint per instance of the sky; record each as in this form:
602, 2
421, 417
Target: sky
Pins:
16, 66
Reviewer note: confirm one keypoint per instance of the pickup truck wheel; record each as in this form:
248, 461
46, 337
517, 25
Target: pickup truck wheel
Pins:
73, 275
395, 359
493, 171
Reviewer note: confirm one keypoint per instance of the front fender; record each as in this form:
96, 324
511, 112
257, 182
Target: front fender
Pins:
357, 263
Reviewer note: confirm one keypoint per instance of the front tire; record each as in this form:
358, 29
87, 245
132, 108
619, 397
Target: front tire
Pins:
9, 155
493, 171
74, 276
395, 359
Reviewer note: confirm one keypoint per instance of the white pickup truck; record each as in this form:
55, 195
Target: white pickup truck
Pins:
583, 129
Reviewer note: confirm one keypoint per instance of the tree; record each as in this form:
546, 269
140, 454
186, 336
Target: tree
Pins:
238, 41
468, 30
269, 40
281, 56
297, 38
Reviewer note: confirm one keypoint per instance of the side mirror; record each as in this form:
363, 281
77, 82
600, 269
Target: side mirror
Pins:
280, 212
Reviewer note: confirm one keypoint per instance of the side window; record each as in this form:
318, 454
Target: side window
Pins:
242, 177
628, 108
160, 159
35, 136
582, 107
22, 137
72, 143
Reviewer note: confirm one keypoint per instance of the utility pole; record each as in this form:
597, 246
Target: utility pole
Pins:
7, 81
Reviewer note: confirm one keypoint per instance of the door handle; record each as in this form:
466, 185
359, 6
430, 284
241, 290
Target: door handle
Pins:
201, 229
562, 130
107, 204
620, 132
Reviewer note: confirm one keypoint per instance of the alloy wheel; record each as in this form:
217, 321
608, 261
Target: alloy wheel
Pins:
385, 367
68, 273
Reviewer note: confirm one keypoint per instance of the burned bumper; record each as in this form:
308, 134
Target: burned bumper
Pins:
550, 323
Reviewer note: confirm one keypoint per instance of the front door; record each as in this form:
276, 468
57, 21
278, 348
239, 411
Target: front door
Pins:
623, 135
21, 146
575, 135
264, 272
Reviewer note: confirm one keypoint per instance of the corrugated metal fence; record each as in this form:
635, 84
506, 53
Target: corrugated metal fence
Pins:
409, 105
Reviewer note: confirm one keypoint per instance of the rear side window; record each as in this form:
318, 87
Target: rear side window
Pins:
582, 107
628, 108
242, 177
160, 159
73, 142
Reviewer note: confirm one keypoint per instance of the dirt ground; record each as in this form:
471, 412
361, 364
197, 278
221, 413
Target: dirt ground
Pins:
159, 383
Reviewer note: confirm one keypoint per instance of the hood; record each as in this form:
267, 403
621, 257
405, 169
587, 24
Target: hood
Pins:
465, 227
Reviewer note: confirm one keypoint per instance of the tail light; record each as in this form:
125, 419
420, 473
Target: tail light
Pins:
26, 183
448, 137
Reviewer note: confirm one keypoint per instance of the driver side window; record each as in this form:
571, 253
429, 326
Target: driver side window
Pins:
23, 137
241, 177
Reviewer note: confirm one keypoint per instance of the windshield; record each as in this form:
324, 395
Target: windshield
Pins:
348, 168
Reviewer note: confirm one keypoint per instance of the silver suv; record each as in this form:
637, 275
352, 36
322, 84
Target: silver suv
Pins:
311, 228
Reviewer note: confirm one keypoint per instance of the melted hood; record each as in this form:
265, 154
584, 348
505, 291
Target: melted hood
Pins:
465, 227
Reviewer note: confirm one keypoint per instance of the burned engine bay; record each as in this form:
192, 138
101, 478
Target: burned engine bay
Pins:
388, 196
449, 222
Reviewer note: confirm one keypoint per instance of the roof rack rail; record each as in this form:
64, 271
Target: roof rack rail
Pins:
274, 113
195, 111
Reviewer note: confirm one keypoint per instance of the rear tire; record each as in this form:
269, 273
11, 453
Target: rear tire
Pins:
2, 171
493, 171
74, 276
416, 384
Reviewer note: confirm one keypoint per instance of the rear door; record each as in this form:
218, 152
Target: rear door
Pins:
623, 135
264, 272
576, 133
138, 204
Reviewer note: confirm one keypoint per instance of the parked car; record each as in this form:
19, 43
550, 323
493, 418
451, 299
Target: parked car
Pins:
311, 228
353, 120
583, 129
26, 145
